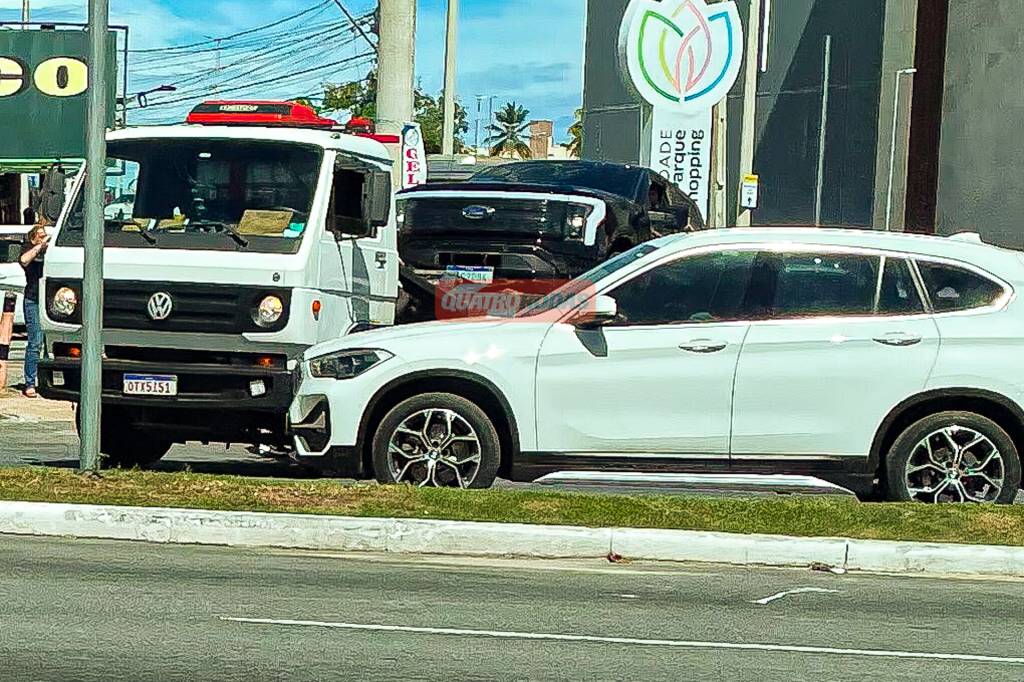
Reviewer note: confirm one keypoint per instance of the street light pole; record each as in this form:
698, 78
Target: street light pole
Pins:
26, 11
749, 132
451, 40
92, 281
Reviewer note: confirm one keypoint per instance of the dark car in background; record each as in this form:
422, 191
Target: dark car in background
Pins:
528, 221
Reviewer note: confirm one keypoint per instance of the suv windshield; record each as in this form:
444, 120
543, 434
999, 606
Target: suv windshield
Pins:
613, 178
204, 194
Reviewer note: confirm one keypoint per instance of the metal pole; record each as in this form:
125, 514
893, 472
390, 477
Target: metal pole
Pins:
719, 141
451, 40
826, 82
892, 144
26, 11
479, 111
747, 139
92, 282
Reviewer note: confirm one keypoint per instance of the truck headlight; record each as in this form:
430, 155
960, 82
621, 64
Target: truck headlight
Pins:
576, 221
268, 312
346, 364
64, 303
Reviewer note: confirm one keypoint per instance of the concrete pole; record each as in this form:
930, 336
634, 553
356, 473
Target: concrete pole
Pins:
396, 54
92, 282
749, 133
26, 11
451, 40
719, 201
892, 144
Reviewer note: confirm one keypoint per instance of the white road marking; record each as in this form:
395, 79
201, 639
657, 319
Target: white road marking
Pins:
798, 590
684, 644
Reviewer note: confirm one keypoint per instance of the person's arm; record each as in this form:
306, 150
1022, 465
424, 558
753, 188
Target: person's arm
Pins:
29, 253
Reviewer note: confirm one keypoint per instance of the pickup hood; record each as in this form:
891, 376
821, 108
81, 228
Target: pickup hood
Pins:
422, 190
172, 265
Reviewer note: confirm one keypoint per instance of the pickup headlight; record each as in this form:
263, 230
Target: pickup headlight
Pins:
576, 221
64, 303
346, 364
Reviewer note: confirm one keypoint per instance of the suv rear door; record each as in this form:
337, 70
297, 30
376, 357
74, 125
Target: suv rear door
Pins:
844, 337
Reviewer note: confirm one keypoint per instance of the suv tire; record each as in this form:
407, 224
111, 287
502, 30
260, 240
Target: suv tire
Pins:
959, 455
436, 439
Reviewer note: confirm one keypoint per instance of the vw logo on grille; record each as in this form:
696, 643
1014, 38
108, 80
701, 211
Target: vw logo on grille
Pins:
160, 306
477, 212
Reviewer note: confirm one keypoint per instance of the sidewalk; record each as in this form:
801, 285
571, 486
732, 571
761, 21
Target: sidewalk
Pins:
459, 538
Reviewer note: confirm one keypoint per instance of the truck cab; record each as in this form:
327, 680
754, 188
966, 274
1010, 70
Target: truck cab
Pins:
232, 243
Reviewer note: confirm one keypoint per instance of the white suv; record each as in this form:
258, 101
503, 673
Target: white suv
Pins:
855, 356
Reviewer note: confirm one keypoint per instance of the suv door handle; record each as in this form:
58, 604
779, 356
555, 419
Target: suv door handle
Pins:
898, 339
703, 346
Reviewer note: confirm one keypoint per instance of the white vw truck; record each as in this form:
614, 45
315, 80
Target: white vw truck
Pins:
240, 238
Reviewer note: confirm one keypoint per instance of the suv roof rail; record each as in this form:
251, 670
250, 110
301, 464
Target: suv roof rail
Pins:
971, 237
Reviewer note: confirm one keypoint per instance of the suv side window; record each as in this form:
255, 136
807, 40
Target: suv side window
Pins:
897, 293
816, 284
951, 288
710, 287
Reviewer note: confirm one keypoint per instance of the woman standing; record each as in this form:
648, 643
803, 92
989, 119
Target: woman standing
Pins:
31, 259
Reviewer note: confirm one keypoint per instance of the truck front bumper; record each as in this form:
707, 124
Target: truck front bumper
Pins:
200, 386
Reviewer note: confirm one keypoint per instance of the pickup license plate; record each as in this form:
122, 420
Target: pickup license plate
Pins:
480, 274
150, 384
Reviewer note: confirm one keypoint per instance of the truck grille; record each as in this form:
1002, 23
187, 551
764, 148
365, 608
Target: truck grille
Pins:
201, 308
504, 216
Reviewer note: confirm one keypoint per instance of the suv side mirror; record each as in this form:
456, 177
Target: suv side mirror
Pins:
603, 311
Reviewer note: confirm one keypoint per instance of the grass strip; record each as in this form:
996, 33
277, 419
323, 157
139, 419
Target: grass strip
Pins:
801, 516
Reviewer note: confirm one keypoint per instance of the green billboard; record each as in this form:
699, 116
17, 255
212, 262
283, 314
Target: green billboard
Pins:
44, 78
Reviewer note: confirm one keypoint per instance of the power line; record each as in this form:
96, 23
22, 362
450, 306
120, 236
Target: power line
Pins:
359, 28
317, 6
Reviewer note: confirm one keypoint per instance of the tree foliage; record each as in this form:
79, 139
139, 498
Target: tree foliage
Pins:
575, 145
508, 134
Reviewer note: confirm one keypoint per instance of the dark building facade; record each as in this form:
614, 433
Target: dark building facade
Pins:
954, 146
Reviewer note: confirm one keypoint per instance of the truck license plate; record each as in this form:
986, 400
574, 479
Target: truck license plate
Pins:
150, 384
479, 274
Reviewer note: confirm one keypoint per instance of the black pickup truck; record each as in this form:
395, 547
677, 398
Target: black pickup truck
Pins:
534, 220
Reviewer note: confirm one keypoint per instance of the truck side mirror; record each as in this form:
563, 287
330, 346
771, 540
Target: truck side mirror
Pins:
377, 198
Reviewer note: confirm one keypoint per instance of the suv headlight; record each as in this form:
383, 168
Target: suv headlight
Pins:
269, 311
346, 364
64, 303
576, 221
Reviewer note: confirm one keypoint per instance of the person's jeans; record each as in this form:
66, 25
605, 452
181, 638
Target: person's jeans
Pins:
35, 342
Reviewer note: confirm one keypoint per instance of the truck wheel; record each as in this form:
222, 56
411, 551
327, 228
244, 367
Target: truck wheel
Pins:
436, 440
122, 445
953, 457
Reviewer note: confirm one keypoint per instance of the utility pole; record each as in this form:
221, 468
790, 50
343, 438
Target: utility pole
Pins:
396, 53
749, 132
92, 282
479, 112
26, 11
451, 40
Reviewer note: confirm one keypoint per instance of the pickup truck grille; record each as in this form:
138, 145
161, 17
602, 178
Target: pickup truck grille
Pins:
484, 215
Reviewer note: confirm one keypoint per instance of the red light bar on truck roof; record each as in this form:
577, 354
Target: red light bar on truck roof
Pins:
258, 113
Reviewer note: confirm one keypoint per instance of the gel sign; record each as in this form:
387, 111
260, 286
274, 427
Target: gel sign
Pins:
414, 156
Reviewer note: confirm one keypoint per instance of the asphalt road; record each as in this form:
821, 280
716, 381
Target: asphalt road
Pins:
100, 610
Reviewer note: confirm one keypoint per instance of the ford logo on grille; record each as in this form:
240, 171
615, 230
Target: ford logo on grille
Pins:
477, 212
160, 306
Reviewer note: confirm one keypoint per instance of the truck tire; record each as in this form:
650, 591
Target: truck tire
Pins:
124, 446
460, 447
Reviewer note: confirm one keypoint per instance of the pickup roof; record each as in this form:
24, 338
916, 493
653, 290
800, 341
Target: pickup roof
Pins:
533, 220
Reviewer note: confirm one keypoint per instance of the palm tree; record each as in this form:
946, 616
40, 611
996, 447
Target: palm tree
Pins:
507, 134
575, 145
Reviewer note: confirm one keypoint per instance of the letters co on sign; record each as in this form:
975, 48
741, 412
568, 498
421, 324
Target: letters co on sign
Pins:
682, 57
55, 76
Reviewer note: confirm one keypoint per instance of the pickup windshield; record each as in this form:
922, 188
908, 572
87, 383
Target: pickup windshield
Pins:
612, 178
204, 194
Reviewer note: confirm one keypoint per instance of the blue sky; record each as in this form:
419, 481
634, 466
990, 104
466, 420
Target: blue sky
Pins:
527, 50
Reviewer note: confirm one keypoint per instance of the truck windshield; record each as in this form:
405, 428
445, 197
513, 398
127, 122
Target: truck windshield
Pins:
204, 194
604, 177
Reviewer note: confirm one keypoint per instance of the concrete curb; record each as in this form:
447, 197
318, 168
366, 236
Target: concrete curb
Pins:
458, 538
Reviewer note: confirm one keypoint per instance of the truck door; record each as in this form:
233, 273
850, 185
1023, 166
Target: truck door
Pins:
359, 259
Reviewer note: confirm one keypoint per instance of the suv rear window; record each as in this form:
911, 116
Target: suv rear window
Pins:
952, 288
